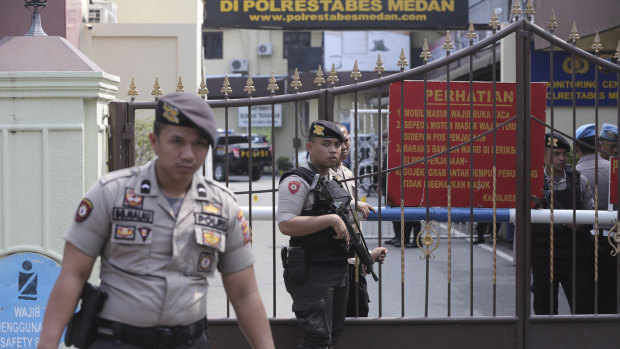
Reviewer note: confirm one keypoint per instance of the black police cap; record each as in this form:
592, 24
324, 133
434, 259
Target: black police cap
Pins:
325, 129
556, 141
186, 109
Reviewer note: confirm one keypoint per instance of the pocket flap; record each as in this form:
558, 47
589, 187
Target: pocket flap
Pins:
210, 238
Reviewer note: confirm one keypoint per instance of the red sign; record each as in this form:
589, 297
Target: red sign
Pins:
436, 130
613, 181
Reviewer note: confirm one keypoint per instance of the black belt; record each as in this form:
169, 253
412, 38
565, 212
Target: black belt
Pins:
153, 337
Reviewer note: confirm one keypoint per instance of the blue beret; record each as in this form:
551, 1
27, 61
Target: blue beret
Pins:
609, 132
585, 131
186, 109
325, 129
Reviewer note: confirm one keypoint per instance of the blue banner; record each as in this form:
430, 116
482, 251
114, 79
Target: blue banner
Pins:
585, 85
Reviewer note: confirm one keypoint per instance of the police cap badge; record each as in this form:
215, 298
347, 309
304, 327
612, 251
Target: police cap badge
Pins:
186, 109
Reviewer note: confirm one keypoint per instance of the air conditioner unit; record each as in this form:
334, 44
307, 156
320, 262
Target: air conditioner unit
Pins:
102, 12
239, 65
264, 49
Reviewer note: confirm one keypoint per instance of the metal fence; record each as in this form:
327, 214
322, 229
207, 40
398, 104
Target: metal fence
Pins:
404, 303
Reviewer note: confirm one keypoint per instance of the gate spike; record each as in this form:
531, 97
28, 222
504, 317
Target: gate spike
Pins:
355, 74
156, 89
180, 85
296, 84
273, 86
226, 87
249, 86
596, 46
447, 45
319, 80
379, 69
574, 36
402, 61
471, 32
494, 23
333, 78
617, 54
553, 22
203, 91
529, 10
132, 90
516, 10
426, 54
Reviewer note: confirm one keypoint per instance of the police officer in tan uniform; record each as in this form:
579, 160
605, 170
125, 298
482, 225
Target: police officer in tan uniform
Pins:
161, 230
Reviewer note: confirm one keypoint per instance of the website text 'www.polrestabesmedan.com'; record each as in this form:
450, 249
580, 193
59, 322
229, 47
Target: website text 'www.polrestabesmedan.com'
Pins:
335, 17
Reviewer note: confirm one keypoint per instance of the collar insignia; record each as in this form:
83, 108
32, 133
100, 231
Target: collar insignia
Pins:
145, 187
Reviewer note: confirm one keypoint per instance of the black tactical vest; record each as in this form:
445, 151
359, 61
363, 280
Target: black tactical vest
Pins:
321, 246
562, 234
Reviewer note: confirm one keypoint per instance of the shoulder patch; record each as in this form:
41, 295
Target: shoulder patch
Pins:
293, 186
83, 211
247, 231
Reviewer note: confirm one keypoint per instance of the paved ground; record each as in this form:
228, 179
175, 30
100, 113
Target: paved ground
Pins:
425, 282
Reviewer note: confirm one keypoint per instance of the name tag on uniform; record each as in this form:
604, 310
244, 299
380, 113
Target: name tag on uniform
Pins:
132, 214
212, 221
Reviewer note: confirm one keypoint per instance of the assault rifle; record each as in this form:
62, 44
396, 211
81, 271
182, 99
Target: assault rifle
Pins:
339, 207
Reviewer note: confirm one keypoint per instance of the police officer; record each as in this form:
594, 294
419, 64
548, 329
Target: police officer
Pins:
316, 273
608, 141
556, 149
358, 287
588, 167
161, 229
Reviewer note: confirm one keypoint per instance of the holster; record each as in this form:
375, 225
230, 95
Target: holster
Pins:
81, 330
294, 262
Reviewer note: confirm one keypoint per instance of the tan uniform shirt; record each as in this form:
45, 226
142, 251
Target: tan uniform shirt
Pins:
154, 265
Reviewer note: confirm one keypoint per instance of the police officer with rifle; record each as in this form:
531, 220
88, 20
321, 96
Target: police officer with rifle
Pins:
315, 262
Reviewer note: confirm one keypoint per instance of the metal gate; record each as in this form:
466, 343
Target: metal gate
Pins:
518, 328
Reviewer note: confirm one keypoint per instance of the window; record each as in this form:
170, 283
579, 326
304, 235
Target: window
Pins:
293, 40
213, 45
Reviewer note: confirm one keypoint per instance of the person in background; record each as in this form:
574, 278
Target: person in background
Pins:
608, 141
357, 290
587, 166
563, 179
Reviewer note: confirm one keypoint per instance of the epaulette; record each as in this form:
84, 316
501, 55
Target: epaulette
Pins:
302, 172
221, 187
114, 175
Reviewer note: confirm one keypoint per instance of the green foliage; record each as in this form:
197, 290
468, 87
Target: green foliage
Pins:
144, 152
283, 163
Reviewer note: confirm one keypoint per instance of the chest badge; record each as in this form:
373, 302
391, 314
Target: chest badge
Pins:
124, 232
144, 232
210, 238
205, 262
132, 199
210, 208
